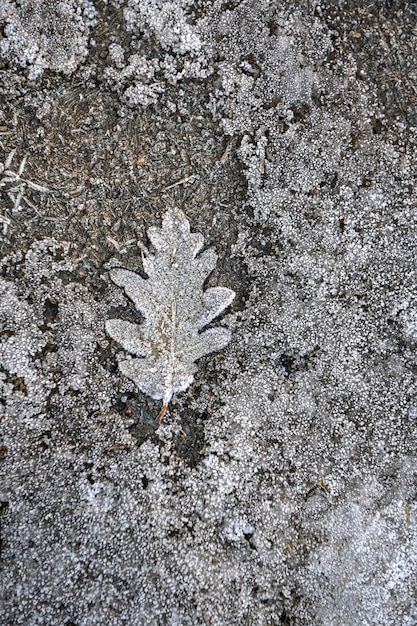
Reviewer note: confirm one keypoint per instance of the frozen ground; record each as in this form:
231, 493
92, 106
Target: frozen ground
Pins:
281, 487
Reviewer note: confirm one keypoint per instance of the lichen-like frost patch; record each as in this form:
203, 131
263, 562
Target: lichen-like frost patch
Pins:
175, 308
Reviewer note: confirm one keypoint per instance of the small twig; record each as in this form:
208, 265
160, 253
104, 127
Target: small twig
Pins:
162, 413
6, 223
44, 217
114, 243
10, 177
121, 248
9, 159
180, 182
120, 446
227, 150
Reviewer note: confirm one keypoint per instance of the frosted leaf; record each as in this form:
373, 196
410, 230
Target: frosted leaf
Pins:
167, 344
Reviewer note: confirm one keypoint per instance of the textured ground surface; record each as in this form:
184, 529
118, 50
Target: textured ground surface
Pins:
281, 487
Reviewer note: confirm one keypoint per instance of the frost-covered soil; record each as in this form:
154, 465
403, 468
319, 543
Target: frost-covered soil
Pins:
281, 486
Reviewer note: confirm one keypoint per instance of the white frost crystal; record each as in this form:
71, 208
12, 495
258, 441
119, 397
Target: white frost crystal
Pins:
175, 307
42, 35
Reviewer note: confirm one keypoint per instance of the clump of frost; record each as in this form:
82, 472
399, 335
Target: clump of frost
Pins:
5, 10
367, 565
328, 333
405, 311
21, 341
48, 347
41, 35
167, 21
184, 54
313, 152
145, 88
266, 65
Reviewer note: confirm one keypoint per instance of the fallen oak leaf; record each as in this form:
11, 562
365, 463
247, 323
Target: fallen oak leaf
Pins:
176, 309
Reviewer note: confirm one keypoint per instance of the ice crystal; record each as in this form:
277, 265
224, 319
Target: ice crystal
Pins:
175, 308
